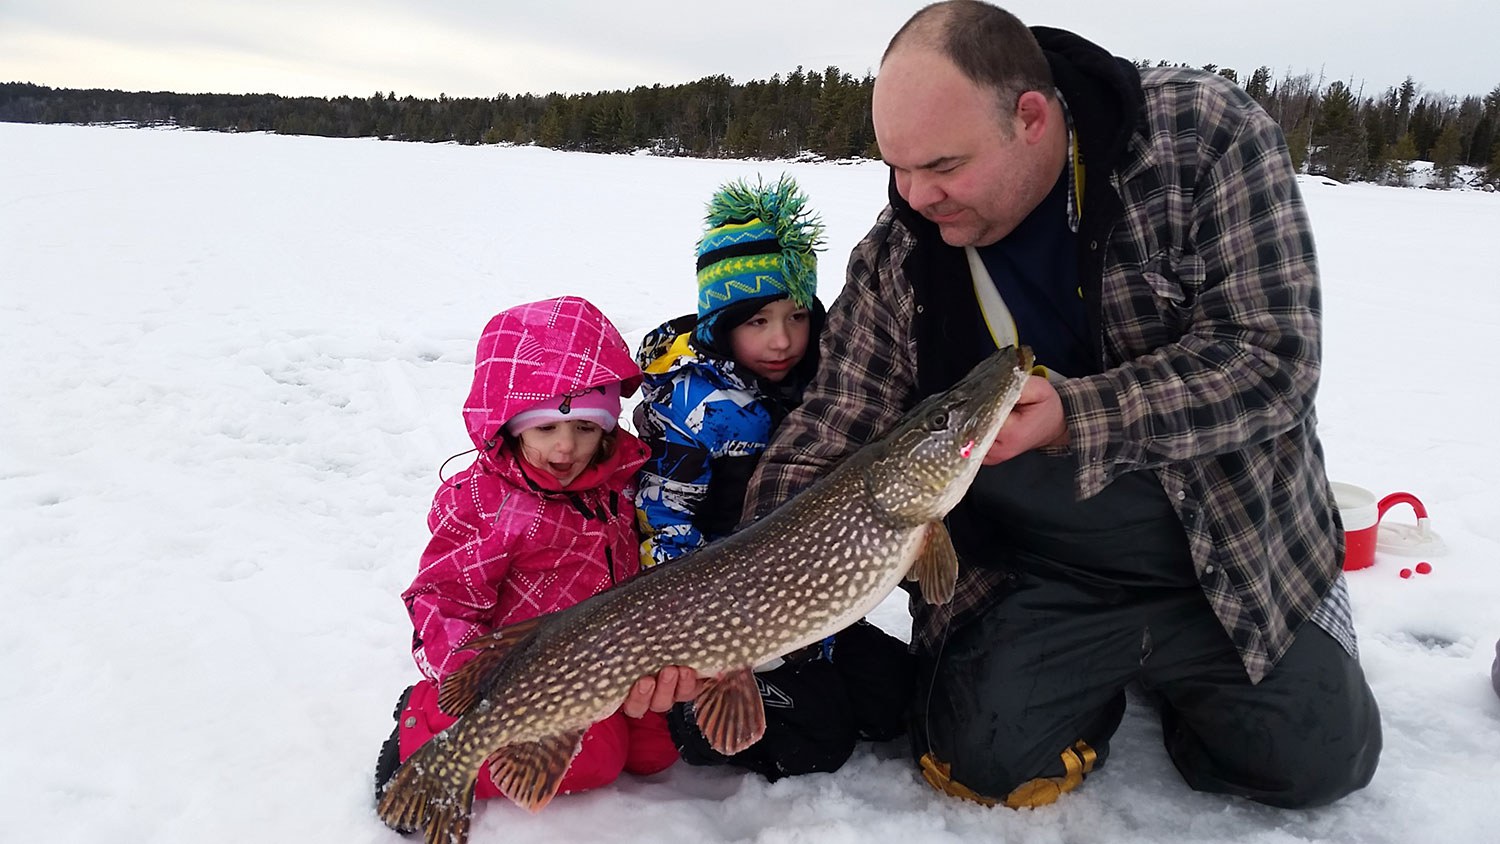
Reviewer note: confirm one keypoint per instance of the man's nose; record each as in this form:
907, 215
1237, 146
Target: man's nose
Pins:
922, 190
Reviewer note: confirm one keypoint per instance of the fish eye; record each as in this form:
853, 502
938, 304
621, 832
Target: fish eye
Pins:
938, 421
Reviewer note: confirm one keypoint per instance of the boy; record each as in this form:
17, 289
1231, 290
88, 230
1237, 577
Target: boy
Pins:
718, 382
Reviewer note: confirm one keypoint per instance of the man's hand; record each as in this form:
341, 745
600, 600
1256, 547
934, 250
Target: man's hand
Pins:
672, 684
1035, 422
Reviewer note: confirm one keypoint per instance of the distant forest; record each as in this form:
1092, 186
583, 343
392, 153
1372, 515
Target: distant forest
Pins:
1333, 129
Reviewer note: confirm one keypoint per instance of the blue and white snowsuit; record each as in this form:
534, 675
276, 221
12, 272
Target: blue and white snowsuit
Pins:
706, 420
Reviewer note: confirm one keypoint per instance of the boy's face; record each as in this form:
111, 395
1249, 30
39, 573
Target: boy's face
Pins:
774, 340
562, 449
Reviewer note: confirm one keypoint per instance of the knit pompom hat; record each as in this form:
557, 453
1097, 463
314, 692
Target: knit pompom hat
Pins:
760, 246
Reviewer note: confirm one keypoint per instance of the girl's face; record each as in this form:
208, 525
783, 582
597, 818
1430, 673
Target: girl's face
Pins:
562, 449
774, 340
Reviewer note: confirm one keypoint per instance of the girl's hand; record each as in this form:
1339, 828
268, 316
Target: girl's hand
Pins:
672, 684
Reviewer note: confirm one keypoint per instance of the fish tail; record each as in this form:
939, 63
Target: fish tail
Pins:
432, 794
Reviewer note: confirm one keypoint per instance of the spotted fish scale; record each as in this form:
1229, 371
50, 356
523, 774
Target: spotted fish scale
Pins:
812, 567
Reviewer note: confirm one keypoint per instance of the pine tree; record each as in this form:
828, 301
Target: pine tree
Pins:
1259, 86
1403, 106
1425, 125
612, 123
1404, 153
1470, 119
1445, 156
1339, 144
549, 132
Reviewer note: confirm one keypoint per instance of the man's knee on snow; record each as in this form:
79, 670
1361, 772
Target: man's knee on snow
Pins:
1285, 770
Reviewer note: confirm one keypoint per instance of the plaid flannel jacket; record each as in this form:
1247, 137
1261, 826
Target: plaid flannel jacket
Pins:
1210, 317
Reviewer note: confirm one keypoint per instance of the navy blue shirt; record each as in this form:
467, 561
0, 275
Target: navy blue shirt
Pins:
1035, 268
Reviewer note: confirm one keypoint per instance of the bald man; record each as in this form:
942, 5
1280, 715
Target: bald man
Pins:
1156, 509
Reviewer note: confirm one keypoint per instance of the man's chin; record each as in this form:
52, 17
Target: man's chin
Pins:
957, 235
969, 235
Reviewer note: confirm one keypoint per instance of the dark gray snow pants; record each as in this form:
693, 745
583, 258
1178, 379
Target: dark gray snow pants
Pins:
1047, 667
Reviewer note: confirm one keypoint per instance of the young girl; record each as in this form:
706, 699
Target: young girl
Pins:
718, 383
542, 520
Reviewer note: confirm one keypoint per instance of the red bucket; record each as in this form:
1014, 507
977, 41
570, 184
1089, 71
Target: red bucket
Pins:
1361, 513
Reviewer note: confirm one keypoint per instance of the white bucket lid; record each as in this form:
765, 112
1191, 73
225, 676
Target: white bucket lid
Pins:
1418, 540
1359, 509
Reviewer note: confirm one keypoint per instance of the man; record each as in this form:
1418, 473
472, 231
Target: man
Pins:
1156, 509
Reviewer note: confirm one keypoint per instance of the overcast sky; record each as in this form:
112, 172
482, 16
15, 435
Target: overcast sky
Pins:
484, 47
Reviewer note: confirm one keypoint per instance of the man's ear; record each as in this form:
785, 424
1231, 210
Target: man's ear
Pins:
1032, 109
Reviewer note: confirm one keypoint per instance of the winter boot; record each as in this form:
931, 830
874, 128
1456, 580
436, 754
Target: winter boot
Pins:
682, 725
390, 754
880, 675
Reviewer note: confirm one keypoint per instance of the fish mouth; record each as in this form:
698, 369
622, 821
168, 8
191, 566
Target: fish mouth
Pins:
995, 387
947, 436
930, 460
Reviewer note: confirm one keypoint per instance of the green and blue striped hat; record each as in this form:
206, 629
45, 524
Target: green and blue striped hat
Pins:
760, 246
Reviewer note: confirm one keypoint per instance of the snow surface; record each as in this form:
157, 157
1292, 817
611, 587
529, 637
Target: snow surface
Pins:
232, 365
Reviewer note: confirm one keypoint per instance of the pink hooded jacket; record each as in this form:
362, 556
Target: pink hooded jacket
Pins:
503, 548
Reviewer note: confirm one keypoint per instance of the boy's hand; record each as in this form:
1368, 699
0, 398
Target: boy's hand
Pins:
672, 684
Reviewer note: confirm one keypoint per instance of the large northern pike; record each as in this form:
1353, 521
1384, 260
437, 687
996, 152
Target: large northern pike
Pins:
809, 569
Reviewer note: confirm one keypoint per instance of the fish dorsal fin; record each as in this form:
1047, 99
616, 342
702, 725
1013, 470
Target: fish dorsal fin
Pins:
460, 690
530, 772
936, 568
729, 712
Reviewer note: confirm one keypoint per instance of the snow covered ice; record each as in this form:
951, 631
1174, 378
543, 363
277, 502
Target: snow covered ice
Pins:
233, 363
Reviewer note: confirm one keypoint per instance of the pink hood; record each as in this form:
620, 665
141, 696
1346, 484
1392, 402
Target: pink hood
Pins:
540, 350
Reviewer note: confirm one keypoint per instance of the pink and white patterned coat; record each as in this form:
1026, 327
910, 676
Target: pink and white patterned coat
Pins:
503, 548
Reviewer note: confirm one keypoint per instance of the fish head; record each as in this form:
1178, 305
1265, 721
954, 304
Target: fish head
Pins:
925, 465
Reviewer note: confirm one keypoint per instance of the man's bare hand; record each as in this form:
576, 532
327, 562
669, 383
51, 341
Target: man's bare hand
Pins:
672, 684
1035, 422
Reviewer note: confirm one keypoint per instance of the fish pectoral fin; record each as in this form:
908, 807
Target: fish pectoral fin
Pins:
459, 691
729, 711
936, 568
530, 772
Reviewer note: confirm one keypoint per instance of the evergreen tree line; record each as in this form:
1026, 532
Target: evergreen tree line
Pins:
825, 114
1332, 129
1343, 133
